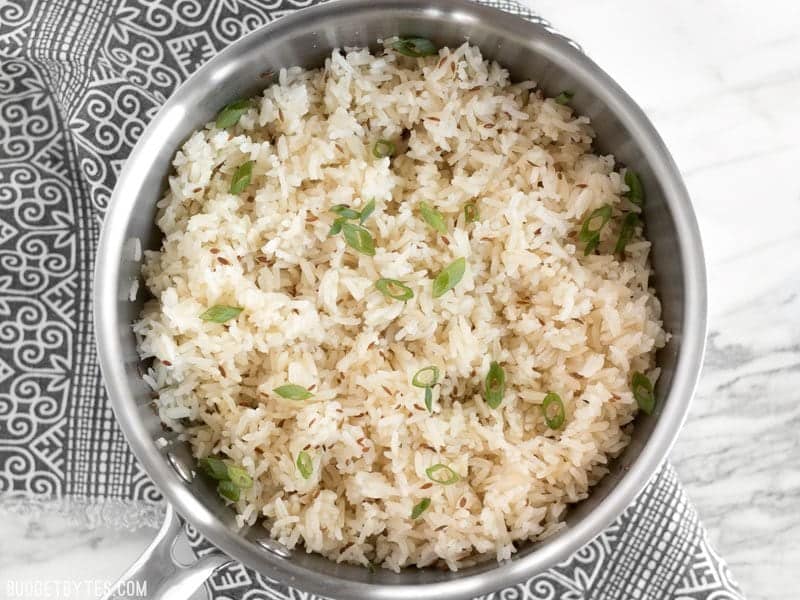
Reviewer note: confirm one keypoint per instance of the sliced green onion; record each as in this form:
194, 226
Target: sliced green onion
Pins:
214, 467
392, 288
432, 217
367, 211
442, 474
231, 479
304, 464
291, 391
471, 212
420, 507
228, 489
564, 97
495, 385
626, 232
241, 178
345, 211
588, 231
415, 47
383, 148
231, 113
239, 477
635, 190
590, 234
425, 378
553, 409
336, 227
220, 313
359, 239
449, 277
643, 392
591, 245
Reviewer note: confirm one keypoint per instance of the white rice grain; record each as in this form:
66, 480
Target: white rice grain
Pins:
556, 320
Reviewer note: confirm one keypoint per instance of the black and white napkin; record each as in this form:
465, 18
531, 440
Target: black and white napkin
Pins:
79, 80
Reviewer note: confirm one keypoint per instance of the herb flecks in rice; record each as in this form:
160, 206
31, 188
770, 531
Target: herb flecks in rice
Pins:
514, 178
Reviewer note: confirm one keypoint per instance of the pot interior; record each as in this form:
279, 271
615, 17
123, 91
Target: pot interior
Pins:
528, 51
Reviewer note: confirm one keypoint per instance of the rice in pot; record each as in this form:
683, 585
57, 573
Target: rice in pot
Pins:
554, 319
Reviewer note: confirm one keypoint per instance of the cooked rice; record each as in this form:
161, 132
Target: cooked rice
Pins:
552, 317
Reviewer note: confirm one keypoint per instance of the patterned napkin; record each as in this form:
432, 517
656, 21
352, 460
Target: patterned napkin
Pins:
79, 80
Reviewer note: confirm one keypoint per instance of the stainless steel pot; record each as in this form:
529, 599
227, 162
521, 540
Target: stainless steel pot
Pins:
529, 51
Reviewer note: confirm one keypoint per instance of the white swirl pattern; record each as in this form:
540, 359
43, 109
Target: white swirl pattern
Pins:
78, 83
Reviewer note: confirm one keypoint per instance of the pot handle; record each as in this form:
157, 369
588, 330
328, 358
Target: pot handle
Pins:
155, 574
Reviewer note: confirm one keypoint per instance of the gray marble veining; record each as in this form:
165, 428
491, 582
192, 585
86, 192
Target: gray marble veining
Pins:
721, 81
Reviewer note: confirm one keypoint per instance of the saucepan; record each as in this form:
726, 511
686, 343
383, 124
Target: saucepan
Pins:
530, 50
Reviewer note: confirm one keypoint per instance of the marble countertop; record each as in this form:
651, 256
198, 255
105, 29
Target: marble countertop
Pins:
721, 81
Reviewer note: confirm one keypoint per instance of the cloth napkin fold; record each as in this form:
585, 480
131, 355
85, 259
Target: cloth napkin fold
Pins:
79, 80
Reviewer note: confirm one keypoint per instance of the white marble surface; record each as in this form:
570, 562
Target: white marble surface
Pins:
721, 81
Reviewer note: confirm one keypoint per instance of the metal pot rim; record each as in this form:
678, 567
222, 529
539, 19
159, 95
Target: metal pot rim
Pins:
657, 447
